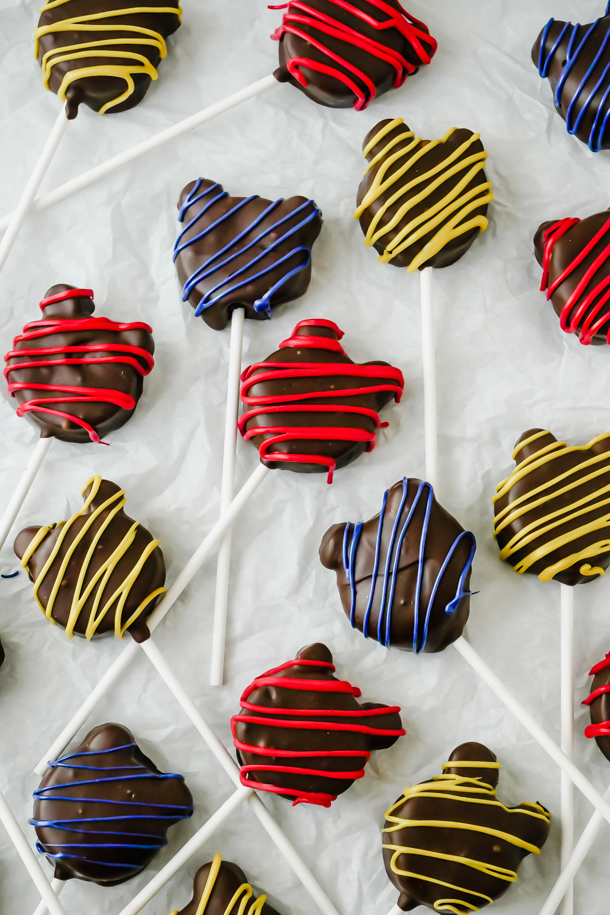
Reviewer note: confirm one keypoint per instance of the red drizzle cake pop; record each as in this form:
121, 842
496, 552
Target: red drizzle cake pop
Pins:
302, 734
78, 377
343, 53
599, 706
309, 407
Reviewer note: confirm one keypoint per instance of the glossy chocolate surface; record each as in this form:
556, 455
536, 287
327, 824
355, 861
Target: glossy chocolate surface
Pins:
230, 885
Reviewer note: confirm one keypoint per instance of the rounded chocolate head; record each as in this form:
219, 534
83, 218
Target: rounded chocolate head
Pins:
242, 252
422, 203
98, 573
93, 803
575, 258
576, 60
104, 81
343, 55
449, 854
310, 739
540, 523
404, 575
75, 376
226, 891
599, 706
309, 408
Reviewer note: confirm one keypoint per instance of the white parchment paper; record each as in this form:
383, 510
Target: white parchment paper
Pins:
504, 367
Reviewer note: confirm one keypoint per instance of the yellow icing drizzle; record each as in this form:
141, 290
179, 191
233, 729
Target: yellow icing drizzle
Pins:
448, 215
469, 791
103, 574
241, 897
94, 22
558, 486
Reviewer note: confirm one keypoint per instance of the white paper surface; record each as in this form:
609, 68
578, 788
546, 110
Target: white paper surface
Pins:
504, 367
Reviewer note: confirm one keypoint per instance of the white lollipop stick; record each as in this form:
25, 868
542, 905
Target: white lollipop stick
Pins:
154, 142
26, 853
57, 887
23, 487
565, 879
186, 853
429, 366
130, 651
17, 218
396, 910
223, 567
530, 724
567, 735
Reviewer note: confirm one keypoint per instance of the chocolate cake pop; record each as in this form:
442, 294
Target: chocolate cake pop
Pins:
576, 60
575, 258
599, 706
102, 812
78, 377
309, 408
302, 734
551, 513
422, 203
98, 573
450, 845
242, 252
103, 53
344, 53
404, 575
222, 888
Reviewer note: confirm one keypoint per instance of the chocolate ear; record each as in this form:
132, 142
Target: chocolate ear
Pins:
475, 752
542, 440
106, 490
23, 540
315, 652
331, 548
539, 239
78, 307
387, 721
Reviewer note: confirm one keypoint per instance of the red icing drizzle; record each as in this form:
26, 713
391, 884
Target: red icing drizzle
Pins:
301, 14
290, 403
602, 729
81, 354
575, 309
275, 718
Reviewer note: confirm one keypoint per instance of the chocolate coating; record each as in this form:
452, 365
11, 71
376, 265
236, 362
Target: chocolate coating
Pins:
228, 881
107, 604
599, 706
230, 255
576, 60
577, 248
96, 90
102, 812
410, 206
338, 429
2, 655
540, 523
117, 378
339, 58
404, 575
461, 888
287, 738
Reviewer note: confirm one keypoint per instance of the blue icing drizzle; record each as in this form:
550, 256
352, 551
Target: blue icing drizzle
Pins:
216, 263
351, 541
573, 121
153, 842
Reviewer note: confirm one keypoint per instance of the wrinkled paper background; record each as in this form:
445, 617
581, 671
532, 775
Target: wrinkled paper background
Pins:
504, 367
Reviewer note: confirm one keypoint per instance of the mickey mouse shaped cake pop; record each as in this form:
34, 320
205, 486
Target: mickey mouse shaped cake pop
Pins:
450, 845
344, 53
302, 733
103, 54
404, 575
98, 573
222, 888
102, 812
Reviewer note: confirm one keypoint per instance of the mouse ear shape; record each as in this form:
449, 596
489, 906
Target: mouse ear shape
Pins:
532, 442
331, 548
474, 760
68, 302
98, 492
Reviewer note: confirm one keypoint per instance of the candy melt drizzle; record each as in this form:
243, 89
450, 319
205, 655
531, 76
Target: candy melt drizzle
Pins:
351, 542
98, 353
584, 310
110, 49
269, 239
238, 903
314, 26
388, 378
313, 720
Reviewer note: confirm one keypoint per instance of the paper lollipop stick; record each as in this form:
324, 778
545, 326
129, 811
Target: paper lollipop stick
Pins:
429, 369
237, 258
58, 887
567, 733
23, 487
